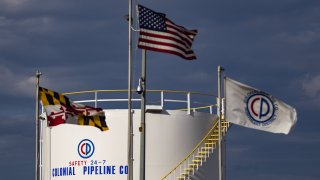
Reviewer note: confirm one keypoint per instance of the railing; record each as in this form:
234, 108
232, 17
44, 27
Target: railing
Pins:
162, 101
191, 163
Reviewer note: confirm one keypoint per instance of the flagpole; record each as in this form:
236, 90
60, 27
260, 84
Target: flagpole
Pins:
38, 74
130, 128
220, 69
225, 138
143, 116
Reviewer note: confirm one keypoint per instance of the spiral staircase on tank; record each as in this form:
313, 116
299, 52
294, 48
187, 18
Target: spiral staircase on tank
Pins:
195, 159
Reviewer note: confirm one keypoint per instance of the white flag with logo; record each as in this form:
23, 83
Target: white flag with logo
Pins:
252, 108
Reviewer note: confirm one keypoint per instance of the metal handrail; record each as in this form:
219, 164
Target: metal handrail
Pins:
196, 108
187, 100
133, 90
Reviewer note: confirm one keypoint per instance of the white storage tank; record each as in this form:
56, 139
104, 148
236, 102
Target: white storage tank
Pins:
180, 144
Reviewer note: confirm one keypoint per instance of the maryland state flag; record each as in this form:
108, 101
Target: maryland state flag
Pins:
59, 109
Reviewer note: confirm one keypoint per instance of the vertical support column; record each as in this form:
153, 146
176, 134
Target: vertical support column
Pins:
143, 117
130, 128
40, 147
189, 103
162, 99
38, 74
220, 69
96, 99
225, 138
222, 109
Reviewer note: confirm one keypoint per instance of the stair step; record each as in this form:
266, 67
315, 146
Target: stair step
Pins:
217, 130
181, 177
207, 148
200, 157
185, 174
204, 152
196, 161
213, 139
210, 143
222, 127
193, 165
188, 169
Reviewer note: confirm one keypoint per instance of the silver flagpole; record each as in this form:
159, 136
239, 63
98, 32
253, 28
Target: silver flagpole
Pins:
130, 130
143, 116
225, 138
220, 69
38, 74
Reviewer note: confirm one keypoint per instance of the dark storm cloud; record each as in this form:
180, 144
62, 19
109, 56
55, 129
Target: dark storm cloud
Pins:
48, 33
81, 45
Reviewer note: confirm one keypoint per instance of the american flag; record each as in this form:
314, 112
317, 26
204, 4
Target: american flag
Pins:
157, 33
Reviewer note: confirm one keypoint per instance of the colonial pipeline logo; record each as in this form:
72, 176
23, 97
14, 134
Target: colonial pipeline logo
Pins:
86, 148
261, 108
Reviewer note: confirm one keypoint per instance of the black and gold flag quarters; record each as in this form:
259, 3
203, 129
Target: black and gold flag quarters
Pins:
60, 109
97, 121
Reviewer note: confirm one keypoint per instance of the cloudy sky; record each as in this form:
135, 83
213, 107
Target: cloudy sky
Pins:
273, 45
